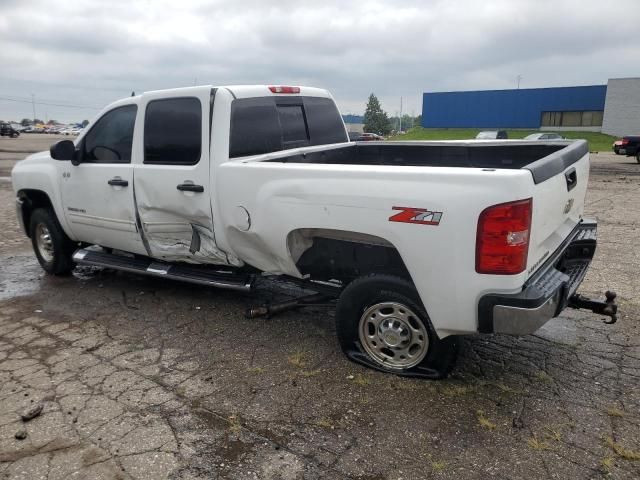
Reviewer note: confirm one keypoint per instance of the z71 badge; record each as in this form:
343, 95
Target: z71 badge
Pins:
421, 216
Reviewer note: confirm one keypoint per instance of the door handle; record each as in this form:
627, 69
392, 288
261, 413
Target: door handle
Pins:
118, 182
190, 187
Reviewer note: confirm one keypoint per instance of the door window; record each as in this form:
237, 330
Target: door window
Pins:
173, 131
110, 139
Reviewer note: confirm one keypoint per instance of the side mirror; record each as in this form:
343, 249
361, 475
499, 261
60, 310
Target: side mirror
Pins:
63, 150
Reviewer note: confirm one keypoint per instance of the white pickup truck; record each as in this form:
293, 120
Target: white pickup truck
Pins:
419, 241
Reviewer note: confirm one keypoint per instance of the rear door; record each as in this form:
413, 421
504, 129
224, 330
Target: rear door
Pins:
172, 180
558, 200
97, 194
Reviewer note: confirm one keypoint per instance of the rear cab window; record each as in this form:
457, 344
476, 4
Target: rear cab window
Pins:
269, 124
173, 131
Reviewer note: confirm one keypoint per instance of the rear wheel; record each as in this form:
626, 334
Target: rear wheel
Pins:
51, 245
638, 156
382, 324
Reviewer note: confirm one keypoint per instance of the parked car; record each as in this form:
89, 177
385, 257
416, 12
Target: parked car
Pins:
629, 146
492, 134
368, 137
354, 136
414, 253
544, 136
617, 145
6, 130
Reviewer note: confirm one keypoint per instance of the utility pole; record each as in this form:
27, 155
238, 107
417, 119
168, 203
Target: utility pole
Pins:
33, 104
518, 78
400, 128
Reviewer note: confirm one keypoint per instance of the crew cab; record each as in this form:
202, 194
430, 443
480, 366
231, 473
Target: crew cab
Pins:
419, 241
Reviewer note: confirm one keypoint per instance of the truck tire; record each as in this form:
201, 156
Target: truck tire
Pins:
381, 323
638, 156
51, 245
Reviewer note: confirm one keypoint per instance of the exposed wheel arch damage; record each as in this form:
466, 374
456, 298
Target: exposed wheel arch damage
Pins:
327, 254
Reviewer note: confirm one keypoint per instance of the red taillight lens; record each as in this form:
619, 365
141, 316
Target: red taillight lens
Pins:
625, 141
502, 241
283, 89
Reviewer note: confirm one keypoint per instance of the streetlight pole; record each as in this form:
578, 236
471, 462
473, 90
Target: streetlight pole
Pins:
33, 104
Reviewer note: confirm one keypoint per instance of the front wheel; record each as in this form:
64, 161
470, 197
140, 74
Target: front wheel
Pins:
381, 323
638, 156
51, 245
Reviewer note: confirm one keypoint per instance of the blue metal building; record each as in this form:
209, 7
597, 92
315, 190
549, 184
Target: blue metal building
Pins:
561, 107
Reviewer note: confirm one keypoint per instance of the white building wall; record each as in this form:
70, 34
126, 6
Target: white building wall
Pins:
622, 107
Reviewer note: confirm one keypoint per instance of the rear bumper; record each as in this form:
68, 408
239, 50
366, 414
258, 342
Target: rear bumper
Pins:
546, 293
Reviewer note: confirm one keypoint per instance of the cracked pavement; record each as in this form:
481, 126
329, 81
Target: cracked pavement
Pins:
145, 378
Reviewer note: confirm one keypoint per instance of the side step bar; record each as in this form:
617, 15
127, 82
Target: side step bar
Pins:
147, 266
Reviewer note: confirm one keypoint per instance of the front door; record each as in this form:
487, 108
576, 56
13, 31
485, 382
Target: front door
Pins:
97, 194
173, 190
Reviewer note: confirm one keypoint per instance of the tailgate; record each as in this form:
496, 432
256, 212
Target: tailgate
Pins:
558, 200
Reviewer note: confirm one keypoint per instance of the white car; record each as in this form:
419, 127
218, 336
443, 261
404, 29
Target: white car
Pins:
544, 136
419, 241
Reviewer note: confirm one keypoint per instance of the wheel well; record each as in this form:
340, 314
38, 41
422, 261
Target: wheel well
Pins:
339, 255
32, 199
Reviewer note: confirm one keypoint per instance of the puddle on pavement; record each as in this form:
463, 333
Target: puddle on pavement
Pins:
21, 275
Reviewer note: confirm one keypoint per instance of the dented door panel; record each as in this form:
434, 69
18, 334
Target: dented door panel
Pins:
172, 178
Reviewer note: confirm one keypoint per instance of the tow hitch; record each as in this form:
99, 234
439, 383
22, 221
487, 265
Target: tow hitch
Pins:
608, 307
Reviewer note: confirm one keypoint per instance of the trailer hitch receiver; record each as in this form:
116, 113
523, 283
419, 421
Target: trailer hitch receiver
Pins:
608, 307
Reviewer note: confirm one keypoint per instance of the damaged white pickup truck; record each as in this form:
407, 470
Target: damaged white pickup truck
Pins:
418, 241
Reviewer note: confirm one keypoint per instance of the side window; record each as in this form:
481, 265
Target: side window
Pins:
110, 138
173, 131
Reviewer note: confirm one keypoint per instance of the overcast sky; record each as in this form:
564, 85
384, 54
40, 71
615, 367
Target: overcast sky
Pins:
87, 53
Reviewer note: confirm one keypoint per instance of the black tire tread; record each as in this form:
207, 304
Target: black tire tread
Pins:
63, 246
391, 288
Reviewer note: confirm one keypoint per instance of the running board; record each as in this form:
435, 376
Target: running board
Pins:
174, 271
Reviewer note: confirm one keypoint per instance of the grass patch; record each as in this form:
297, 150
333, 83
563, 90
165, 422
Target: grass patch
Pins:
484, 422
621, 451
361, 380
615, 412
536, 444
552, 434
298, 359
234, 424
309, 373
598, 142
607, 464
436, 465
543, 376
323, 423
453, 390
255, 370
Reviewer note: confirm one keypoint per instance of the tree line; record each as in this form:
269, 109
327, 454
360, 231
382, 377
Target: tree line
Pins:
376, 120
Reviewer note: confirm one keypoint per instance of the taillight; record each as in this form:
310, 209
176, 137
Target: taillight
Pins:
625, 141
283, 89
502, 241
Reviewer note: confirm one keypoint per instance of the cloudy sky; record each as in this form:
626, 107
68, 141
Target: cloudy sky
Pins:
75, 56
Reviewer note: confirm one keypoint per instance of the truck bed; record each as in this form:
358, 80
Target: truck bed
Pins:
543, 159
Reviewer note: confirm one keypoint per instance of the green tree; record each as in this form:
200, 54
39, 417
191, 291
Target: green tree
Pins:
376, 120
25, 122
85, 123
